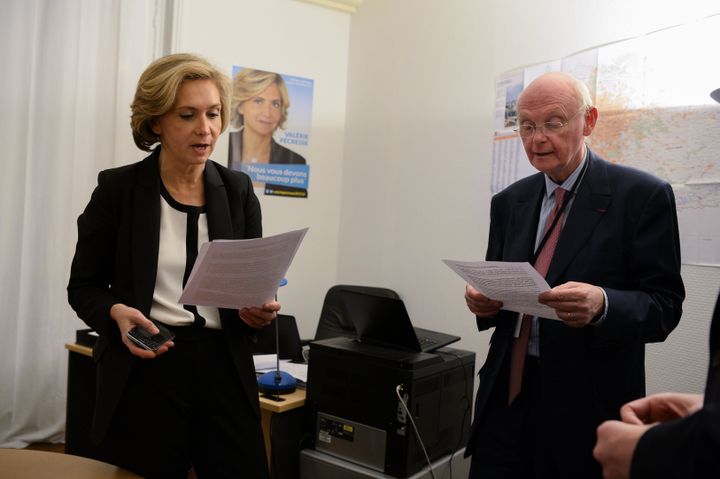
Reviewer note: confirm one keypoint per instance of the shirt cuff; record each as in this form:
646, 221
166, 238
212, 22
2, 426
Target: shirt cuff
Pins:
599, 319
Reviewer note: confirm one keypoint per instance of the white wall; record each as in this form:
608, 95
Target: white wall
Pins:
400, 180
418, 146
307, 41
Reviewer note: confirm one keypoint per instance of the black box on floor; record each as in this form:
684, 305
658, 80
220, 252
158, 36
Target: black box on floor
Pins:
353, 396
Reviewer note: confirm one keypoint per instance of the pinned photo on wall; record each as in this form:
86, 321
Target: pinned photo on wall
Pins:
271, 120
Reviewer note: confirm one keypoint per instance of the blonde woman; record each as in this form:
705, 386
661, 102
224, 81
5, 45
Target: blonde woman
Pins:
194, 400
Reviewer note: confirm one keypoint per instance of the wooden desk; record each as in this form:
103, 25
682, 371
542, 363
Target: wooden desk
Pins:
81, 403
79, 348
269, 407
26, 464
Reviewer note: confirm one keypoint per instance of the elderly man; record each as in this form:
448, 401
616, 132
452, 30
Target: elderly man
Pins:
606, 238
685, 444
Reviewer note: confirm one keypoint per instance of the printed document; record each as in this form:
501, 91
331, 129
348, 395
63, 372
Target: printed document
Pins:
517, 285
241, 273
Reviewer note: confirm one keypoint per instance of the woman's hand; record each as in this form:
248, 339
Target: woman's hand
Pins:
127, 318
260, 317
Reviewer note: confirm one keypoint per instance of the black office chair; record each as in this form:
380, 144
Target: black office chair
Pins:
334, 320
290, 346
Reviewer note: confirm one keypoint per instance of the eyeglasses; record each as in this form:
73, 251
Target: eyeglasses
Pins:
527, 130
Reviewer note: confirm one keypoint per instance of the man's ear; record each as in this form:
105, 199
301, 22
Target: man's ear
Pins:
590, 120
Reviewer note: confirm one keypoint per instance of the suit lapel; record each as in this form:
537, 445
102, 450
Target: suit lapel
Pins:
523, 226
592, 201
218, 208
146, 231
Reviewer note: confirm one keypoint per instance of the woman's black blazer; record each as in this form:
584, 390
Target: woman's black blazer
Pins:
116, 262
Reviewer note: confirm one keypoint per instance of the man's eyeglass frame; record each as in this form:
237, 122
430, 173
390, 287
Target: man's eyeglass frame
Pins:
548, 127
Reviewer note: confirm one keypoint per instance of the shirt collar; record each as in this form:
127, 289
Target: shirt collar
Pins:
567, 185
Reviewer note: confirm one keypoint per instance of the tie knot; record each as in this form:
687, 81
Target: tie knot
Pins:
559, 195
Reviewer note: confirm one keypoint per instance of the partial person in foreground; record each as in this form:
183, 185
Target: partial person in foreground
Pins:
193, 401
606, 239
668, 435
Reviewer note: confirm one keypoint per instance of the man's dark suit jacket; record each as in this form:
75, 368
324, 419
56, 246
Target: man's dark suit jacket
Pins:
689, 447
621, 234
116, 262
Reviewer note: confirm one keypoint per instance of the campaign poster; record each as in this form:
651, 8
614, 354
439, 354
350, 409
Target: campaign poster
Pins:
270, 126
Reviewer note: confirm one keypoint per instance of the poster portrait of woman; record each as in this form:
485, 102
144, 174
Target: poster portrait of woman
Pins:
263, 137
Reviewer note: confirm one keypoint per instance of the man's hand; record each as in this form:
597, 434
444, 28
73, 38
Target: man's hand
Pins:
660, 408
127, 318
260, 317
479, 304
576, 304
616, 442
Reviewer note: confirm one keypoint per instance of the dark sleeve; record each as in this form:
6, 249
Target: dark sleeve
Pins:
494, 253
651, 308
686, 448
92, 266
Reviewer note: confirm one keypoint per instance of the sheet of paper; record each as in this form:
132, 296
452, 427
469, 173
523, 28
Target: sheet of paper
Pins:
240, 273
517, 285
265, 362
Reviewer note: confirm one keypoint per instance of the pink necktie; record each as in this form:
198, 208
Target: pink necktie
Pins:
542, 263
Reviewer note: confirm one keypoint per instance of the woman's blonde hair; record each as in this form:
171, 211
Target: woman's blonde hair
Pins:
248, 84
158, 87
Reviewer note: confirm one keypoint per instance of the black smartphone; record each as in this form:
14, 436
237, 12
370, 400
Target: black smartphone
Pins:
151, 342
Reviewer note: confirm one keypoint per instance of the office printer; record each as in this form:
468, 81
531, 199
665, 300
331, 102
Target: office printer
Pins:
353, 393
